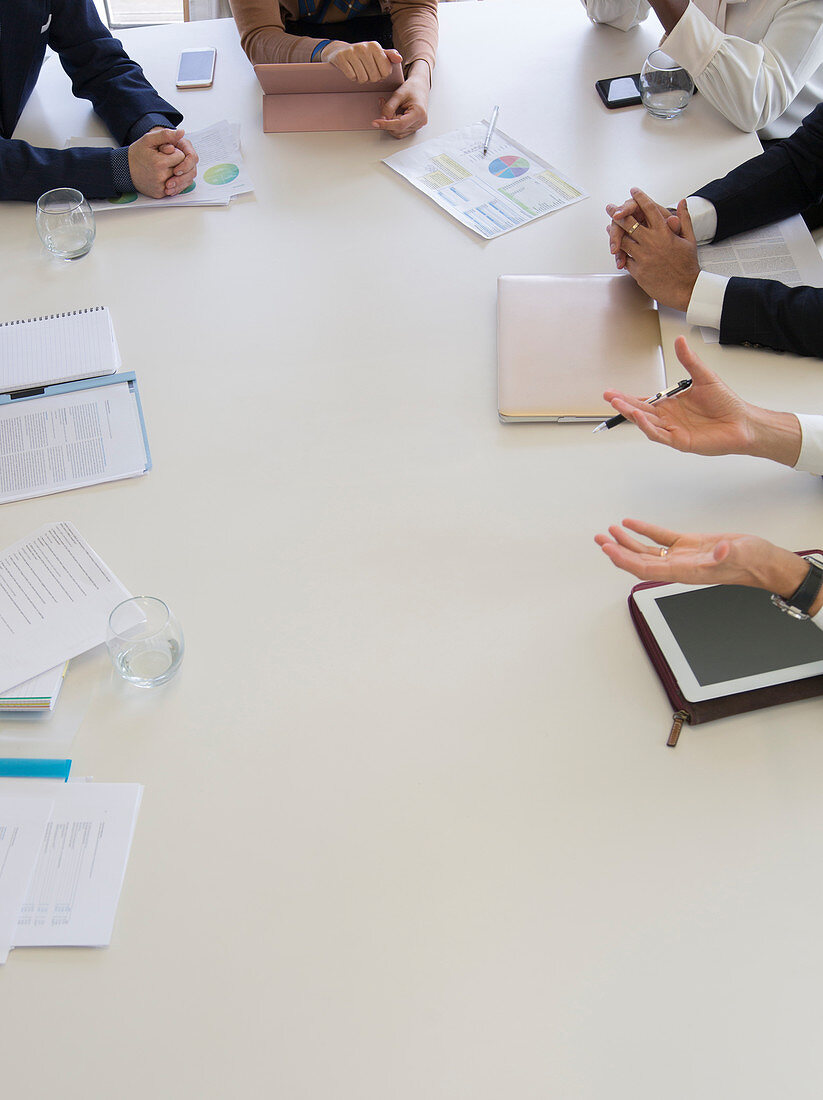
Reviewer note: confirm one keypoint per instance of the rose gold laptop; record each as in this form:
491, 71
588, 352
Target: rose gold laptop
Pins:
312, 97
564, 339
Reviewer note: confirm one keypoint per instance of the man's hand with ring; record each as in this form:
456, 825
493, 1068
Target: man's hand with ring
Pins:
661, 262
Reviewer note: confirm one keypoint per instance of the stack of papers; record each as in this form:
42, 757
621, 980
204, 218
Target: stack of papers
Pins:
56, 596
63, 854
35, 695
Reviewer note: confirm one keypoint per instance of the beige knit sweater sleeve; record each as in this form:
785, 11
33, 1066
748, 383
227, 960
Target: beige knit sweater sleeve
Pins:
264, 38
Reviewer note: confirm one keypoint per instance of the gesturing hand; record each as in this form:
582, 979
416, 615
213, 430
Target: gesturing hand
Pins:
702, 559
708, 419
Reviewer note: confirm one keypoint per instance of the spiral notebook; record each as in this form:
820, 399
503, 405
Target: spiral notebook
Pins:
60, 347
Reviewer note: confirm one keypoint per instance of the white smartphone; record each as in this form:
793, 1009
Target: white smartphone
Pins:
196, 69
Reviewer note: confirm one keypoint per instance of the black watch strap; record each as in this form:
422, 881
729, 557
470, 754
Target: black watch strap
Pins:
807, 591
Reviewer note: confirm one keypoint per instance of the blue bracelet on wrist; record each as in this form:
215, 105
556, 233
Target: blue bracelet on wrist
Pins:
319, 48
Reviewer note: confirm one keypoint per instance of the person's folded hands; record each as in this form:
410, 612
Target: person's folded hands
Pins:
661, 262
629, 212
162, 162
363, 62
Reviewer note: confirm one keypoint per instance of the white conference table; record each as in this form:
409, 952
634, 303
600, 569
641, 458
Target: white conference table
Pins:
410, 828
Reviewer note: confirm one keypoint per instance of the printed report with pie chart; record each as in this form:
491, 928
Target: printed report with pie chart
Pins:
491, 194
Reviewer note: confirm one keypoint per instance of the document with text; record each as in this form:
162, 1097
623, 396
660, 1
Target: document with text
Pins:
62, 441
73, 894
23, 821
56, 596
782, 251
508, 187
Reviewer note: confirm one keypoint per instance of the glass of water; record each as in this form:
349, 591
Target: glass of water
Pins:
65, 222
665, 86
145, 641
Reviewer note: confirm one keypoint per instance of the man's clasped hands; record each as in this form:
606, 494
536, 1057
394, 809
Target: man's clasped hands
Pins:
162, 162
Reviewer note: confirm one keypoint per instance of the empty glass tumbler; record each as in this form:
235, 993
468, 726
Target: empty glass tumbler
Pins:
145, 641
65, 222
665, 86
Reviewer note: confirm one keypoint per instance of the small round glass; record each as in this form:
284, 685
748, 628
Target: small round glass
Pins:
665, 86
65, 223
145, 641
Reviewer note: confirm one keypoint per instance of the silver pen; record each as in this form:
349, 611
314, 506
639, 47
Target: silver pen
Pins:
490, 130
613, 421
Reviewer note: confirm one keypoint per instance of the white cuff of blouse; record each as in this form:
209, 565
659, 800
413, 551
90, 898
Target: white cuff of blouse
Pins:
810, 459
693, 41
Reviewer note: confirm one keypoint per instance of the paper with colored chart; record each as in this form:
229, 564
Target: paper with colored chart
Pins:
221, 173
508, 187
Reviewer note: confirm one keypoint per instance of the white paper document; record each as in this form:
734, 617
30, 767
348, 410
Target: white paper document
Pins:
72, 897
221, 173
508, 187
23, 821
783, 251
63, 441
61, 347
56, 596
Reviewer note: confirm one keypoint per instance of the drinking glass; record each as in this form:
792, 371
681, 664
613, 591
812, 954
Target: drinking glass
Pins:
145, 641
65, 222
665, 87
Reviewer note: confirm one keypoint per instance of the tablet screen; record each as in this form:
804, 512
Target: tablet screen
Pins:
723, 639
728, 631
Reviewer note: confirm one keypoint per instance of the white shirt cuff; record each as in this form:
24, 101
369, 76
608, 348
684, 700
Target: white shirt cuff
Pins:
706, 302
694, 41
704, 218
810, 460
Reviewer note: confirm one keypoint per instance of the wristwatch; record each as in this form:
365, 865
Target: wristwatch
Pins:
797, 605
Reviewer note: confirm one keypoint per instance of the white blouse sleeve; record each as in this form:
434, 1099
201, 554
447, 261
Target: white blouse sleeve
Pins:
751, 83
623, 14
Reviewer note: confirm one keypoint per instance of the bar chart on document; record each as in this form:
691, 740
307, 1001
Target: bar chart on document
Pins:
491, 194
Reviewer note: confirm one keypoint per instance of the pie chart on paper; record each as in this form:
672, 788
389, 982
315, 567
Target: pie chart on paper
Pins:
509, 168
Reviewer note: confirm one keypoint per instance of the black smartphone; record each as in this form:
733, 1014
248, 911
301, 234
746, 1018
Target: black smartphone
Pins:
619, 91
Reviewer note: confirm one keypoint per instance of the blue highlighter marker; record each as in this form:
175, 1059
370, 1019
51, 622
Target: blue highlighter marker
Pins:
19, 767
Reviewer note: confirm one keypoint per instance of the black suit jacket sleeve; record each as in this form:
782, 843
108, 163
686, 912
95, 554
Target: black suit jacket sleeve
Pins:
784, 180
100, 71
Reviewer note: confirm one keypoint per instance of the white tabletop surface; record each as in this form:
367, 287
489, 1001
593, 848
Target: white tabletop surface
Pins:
410, 828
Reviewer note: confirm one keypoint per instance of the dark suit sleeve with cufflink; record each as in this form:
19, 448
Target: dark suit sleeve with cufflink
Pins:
782, 181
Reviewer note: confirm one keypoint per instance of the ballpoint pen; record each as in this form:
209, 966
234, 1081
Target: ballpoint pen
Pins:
490, 130
613, 421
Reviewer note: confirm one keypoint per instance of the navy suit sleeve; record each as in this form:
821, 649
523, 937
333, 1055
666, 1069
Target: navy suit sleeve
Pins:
784, 180
27, 172
765, 313
101, 71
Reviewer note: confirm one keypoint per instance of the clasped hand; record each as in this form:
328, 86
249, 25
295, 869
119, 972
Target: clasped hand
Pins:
162, 162
656, 247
